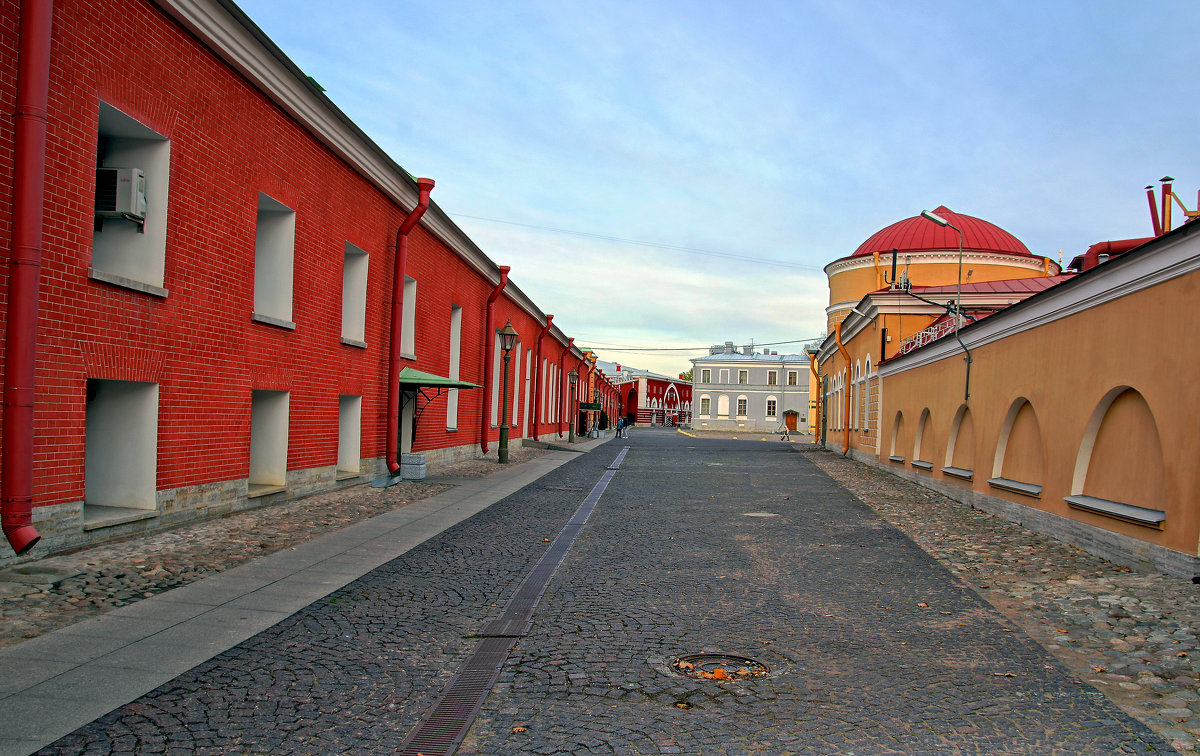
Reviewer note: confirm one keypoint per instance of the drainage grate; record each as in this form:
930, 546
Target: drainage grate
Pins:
719, 667
443, 728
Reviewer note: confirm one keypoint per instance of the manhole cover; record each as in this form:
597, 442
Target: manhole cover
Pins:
719, 667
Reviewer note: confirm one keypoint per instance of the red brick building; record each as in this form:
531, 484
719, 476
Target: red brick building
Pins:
213, 276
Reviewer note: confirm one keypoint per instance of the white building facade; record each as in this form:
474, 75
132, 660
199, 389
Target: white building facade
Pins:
751, 391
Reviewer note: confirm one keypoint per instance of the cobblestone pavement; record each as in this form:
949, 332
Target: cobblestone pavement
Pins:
699, 545
61, 590
1132, 636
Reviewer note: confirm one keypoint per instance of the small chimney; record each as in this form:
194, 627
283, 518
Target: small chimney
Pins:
729, 347
618, 368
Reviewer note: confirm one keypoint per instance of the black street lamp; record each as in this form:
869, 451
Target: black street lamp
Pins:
573, 378
508, 339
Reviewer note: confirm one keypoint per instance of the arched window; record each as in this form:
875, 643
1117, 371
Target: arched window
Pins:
960, 446
1019, 462
1119, 470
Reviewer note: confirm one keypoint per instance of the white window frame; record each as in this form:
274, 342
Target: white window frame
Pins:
455, 366
274, 261
354, 296
705, 375
743, 406
743, 377
124, 253
772, 377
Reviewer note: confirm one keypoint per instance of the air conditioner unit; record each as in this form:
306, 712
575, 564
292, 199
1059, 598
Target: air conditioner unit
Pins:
121, 193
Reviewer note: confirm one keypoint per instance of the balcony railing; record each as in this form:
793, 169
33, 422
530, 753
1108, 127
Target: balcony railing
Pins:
928, 336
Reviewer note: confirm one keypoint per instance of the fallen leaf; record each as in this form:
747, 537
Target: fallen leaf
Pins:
1004, 674
719, 674
923, 604
683, 705
547, 540
685, 665
518, 729
1100, 669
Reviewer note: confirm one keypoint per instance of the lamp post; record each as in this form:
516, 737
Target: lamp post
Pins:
958, 295
508, 339
572, 377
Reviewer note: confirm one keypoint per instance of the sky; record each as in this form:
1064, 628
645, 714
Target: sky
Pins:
668, 175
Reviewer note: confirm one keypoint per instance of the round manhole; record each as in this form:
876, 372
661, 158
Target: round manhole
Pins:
719, 667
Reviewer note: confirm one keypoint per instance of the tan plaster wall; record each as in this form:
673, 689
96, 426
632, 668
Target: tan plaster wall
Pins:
1066, 369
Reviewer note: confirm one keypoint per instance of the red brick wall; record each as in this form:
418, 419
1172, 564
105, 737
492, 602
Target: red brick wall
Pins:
228, 143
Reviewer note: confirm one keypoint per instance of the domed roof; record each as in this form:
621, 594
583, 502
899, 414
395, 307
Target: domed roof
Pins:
919, 234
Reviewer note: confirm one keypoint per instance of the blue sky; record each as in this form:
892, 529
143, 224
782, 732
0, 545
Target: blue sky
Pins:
745, 149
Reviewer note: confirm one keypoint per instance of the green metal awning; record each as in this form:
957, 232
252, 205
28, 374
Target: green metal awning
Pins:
418, 379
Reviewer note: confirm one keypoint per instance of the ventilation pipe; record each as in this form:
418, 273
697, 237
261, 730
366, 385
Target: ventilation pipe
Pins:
489, 354
537, 381
1153, 211
565, 384
837, 337
25, 266
424, 187
1166, 203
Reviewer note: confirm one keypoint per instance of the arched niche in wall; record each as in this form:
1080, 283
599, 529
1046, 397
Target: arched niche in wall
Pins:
897, 431
960, 446
924, 444
1119, 470
1020, 459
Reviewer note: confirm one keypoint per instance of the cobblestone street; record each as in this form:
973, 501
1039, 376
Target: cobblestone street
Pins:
723, 546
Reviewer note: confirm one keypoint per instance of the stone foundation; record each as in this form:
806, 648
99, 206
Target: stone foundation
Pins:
1115, 547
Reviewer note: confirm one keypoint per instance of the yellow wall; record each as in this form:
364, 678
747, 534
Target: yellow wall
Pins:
1054, 382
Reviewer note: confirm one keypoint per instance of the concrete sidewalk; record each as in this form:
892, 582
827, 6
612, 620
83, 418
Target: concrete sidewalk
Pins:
55, 683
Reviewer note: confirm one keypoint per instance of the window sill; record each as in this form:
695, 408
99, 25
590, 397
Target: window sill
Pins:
921, 465
254, 490
899, 460
96, 516
959, 472
127, 283
346, 475
354, 342
278, 322
408, 356
1121, 511
455, 430
1016, 486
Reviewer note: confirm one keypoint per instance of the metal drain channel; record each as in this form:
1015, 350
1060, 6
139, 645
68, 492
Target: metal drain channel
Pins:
443, 728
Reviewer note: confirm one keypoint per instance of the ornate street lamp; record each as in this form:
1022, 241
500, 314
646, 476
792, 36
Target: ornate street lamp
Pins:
573, 378
508, 339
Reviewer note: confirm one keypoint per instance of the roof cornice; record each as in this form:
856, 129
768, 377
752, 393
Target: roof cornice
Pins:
937, 256
233, 36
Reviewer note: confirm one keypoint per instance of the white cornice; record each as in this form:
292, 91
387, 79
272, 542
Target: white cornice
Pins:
250, 53
1157, 262
939, 256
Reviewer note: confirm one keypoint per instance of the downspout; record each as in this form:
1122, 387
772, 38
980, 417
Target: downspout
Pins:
489, 353
424, 186
816, 414
564, 385
537, 381
25, 266
837, 336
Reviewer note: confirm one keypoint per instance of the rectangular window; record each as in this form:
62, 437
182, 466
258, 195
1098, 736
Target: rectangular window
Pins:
772, 377
741, 407
349, 435
743, 377
354, 296
121, 454
274, 254
514, 381
129, 237
268, 441
770, 408
791, 377
455, 366
705, 404
408, 332
706, 376
496, 400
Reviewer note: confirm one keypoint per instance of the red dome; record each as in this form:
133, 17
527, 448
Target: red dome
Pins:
919, 234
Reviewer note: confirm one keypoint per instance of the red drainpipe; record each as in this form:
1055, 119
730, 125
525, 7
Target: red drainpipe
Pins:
489, 351
537, 381
424, 186
564, 384
25, 266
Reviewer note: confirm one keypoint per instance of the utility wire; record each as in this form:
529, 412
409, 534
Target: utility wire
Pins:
643, 243
622, 348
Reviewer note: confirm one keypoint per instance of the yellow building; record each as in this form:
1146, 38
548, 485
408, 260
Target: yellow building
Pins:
1061, 402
